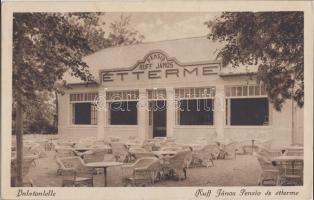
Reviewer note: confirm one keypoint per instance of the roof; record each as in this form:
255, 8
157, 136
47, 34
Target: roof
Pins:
186, 50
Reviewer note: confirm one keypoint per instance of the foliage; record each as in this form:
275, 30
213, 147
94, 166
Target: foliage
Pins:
41, 115
46, 45
121, 33
271, 40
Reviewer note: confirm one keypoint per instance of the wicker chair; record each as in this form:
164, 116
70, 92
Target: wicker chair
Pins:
120, 151
144, 171
136, 153
263, 143
114, 139
64, 152
229, 150
109, 158
31, 152
270, 153
26, 165
290, 173
202, 141
247, 147
205, 155
172, 147
74, 172
189, 157
28, 150
294, 152
95, 155
269, 172
38, 149
148, 145
176, 165
134, 143
64, 143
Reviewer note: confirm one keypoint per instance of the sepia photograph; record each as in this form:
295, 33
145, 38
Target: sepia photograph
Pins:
157, 99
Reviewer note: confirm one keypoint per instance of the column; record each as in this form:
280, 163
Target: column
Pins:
170, 112
101, 113
219, 111
142, 115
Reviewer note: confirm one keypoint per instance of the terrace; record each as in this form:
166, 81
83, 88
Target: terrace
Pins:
233, 168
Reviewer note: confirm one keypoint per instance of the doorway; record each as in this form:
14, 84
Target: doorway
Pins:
158, 118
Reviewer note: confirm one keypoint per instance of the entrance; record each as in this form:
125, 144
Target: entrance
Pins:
158, 118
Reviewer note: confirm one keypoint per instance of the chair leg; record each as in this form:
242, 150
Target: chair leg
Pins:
212, 161
259, 180
184, 171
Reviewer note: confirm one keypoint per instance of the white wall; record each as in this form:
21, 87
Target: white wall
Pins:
279, 130
65, 129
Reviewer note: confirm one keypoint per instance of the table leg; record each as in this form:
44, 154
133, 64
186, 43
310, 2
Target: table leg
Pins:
105, 176
252, 146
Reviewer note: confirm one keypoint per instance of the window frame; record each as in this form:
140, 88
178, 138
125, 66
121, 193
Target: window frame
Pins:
124, 93
84, 100
179, 97
248, 96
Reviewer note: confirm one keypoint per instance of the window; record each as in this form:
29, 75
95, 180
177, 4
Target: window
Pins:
196, 112
250, 111
123, 107
246, 106
84, 113
123, 113
84, 109
195, 106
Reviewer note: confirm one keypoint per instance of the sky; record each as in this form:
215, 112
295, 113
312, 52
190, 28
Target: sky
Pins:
166, 25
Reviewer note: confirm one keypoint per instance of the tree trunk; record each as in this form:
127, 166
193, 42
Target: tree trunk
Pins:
55, 117
19, 143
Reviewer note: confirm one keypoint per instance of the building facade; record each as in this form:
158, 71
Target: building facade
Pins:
177, 89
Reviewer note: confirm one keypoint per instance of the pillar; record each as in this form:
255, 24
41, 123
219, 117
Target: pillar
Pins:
101, 113
170, 112
142, 115
219, 111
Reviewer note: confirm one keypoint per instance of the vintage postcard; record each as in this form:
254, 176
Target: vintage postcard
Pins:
157, 100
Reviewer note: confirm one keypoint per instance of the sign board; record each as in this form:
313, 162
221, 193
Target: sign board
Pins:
157, 65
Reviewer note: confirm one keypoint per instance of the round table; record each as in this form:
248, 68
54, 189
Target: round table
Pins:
287, 158
293, 149
165, 154
104, 165
83, 149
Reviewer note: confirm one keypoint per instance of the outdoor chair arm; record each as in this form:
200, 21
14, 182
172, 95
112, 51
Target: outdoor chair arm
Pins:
82, 154
141, 172
272, 170
69, 172
140, 169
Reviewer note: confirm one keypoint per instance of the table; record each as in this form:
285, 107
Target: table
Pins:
104, 165
285, 161
83, 149
133, 144
165, 154
293, 149
287, 158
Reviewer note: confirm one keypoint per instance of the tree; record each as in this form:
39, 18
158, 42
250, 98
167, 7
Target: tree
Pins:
121, 32
45, 45
271, 40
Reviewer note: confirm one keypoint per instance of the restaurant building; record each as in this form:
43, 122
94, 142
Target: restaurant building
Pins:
173, 88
